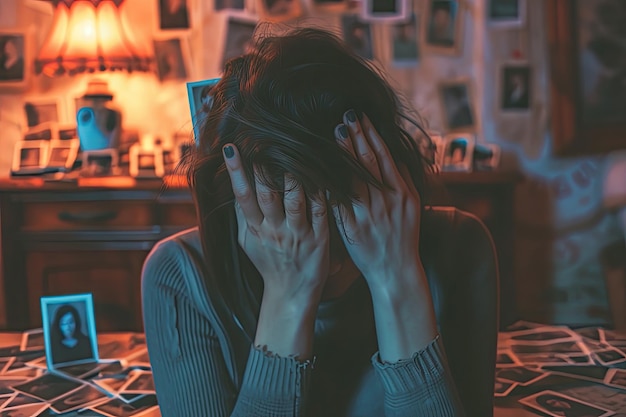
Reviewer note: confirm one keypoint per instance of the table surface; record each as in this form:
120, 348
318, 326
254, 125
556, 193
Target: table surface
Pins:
524, 346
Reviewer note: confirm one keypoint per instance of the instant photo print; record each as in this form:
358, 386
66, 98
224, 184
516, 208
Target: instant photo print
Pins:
29, 157
200, 102
99, 163
62, 154
389, 11
69, 329
458, 152
146, 163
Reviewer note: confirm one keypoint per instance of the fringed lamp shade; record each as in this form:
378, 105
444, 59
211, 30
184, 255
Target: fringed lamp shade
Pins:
90, 36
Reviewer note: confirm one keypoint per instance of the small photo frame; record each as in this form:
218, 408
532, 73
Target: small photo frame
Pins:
486, 157
329, 6
100, 163
15, 62
40, 110
458, 107
174, 15
279, 10
515, 84
172, 55
442, 30
239, 35
357, 34
51, 131
62, 153
232, 5
29, 155
506, 13
405, 43
390, 11
458, 152
146, 163
200, 102
69, 329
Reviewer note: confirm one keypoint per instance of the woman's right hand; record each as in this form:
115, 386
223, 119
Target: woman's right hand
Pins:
290, 251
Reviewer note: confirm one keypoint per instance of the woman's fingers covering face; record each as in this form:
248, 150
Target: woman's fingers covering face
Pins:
386, 164
269, 201
295, 203
363, 149
243, 191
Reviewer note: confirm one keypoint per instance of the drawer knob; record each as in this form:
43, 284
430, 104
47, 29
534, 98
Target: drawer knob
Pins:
87, 217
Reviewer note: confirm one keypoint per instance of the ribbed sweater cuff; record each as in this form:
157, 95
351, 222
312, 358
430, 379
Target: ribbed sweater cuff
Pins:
422, 369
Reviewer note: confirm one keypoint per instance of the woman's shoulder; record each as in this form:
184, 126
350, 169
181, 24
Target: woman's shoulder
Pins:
174, 255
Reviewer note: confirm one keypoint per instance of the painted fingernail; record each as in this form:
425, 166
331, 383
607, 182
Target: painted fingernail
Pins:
343, 131
229, 152
351, 116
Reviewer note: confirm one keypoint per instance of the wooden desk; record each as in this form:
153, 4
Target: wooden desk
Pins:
62, 238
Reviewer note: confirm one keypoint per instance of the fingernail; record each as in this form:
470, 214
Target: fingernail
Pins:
351, 116
229, 152
343, 131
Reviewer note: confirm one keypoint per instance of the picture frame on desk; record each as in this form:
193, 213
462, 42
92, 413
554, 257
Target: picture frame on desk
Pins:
387, 11
43, 109
30, 155
458, 152
146, 163
100, 163
63, 153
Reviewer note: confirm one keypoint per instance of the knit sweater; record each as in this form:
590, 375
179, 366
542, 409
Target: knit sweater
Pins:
193, 356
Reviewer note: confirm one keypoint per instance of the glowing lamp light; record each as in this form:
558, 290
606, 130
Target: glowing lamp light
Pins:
90, 36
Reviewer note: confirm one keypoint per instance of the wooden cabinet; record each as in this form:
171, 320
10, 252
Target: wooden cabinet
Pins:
65, 238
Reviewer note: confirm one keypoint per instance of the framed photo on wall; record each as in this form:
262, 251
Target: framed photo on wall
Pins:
174, 15
358, 35
457, 105
515, 86
15, 63
238, 36
200, 102
278, 10
62, 153
386, 10
506, 13
588, 87
41, 110
173, 58
442, 29
405, 43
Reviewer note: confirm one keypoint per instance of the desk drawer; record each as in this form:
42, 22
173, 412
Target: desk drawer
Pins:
73, 215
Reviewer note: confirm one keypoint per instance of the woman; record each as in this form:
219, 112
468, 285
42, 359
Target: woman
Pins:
306, 289
69, 344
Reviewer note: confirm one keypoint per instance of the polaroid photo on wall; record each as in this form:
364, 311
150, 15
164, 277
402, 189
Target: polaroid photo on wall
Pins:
405, 43
458, 106
555, 404
278, 10
69, 328
40, 110
146, 163
100, 163
506, 13
62, 154
15, 50
357, 34
389, 11
238, 37
173, 15
458, 152
443, 25
515, 86
29, 156
173, 58
200, 102
229, 5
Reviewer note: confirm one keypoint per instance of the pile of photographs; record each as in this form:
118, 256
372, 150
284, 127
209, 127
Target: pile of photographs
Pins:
118, 384
529, 353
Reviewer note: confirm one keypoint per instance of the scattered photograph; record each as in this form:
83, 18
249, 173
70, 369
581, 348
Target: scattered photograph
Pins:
405, 45
29, 155
506, 13
69, 329
7, 382
42, 110
18, 400
357, 34
13, 60
586, 373
457, 105
24, 410
486, 157
542, 334
139, 382
239, 36
609, 356
200, 102
503, 388
515, 87
443, 26
172, 59
506, 359
386, 10
63, 153
550, 347
458, 151
554, 404
119, 408
520, 375
616, 378
174, 14
80, 398
32, 340
47, 387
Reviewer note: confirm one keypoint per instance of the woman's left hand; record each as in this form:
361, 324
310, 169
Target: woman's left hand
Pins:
381, 230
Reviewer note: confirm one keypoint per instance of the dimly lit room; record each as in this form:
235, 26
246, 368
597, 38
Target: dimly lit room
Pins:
313, 208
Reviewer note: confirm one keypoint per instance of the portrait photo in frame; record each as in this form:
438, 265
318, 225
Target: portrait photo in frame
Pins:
405, 43
173, 58
279, 10
506, 13
15, 65
99, 163
40, 110
200, 102
515, 86
458, 152
69, 329
146, 163
389, 11
29, 155
329, 6
458, 106
357, 34
173, 15
443, 25
239, 31
62, 154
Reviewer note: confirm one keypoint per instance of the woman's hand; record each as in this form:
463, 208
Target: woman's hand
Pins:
289, 251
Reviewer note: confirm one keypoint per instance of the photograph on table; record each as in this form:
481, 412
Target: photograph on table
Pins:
278, 10
554, 404
616, 378
520, 375
146, 163
389, 11
590, 373
506, 359
62, 154
82, 397
358, 35
442, 29
404, 43
139, 382
69, 329
551, 334
100, 163
486, 156
200, 102
239, 32
29, 155
173, 62
174, 15
48, 387
14, 59
503, 388
609, 357
506, 13
457, 105
27, 410
39, 110
458, 151
31, 340
515, 84
139, 406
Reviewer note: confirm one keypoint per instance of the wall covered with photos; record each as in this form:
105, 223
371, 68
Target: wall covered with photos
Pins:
476, 66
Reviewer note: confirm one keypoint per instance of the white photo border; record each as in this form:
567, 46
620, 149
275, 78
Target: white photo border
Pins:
72, 145
500, 87
42, 145
503, 23
459, 27
404, 10
473, 128
26, 57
